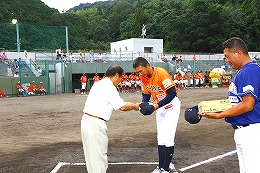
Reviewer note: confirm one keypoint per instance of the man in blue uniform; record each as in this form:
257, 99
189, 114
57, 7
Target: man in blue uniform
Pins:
244, 94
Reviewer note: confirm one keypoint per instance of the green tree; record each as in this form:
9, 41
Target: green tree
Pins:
251, 30
118, 13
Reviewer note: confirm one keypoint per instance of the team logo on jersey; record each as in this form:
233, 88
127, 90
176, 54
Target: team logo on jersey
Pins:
232, 88
160, 96
153, 88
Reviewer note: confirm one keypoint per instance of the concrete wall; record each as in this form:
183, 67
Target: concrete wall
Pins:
8, 84
135, 47
91, 68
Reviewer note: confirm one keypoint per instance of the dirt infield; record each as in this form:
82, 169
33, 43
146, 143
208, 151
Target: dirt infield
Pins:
38, 132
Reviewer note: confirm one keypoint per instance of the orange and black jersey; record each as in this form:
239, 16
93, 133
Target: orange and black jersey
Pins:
157, 84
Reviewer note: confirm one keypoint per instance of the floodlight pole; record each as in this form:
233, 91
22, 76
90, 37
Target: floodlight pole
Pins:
67, 39
14, 21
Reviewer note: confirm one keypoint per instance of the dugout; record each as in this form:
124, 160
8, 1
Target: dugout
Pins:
76, 84
8, 84
65, 78
73, 72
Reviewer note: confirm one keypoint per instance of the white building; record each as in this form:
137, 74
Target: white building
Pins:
131, 48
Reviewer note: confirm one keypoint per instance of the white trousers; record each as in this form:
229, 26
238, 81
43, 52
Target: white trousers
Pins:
248, 148
166, 120
95, 144
83, 85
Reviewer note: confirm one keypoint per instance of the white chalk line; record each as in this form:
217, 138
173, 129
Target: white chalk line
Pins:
60, 164
207, 161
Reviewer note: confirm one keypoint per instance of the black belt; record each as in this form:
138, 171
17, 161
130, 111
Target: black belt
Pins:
95, 116
239, 127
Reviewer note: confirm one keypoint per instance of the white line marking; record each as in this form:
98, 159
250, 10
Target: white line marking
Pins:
207, 161
60, 164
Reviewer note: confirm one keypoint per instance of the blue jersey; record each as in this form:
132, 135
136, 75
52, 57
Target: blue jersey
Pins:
246, 81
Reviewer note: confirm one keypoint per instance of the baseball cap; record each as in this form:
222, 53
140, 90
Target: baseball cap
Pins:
146, 108
192, 116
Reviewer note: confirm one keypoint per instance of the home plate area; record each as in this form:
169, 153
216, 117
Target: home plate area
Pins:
126, 167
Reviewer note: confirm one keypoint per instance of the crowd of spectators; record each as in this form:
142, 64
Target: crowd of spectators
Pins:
71, 58
3, 57
12, 66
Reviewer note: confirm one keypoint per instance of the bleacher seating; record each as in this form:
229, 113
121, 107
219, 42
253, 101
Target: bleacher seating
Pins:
24, 69
3, 67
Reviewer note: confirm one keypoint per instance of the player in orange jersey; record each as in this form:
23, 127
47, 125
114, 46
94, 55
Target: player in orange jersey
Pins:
125, 82
197, 79
20, 90
185, 80
178, 80
83, 80
34, 88
132, 77
41, 89
96, 78
191, 75
202, 78
138, 83
2, 94
29, 89
158, 84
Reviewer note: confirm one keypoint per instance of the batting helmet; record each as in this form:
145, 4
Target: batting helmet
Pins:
146, 108
192, 116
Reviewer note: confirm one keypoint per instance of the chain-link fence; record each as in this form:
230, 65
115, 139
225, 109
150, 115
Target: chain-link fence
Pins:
31, 36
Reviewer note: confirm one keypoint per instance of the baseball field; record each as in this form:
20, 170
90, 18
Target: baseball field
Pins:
41, 134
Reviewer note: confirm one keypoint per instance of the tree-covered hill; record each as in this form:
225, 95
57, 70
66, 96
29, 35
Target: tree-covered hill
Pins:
184, 25
101, 4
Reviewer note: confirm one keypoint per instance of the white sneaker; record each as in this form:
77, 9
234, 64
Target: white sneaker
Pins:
163, 171
172, 168
156, 170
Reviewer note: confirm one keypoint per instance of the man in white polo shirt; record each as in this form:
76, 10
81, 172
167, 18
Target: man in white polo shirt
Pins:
102, 99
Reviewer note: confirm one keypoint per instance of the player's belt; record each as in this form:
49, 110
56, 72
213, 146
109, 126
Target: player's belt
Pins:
94, 116
239, 127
